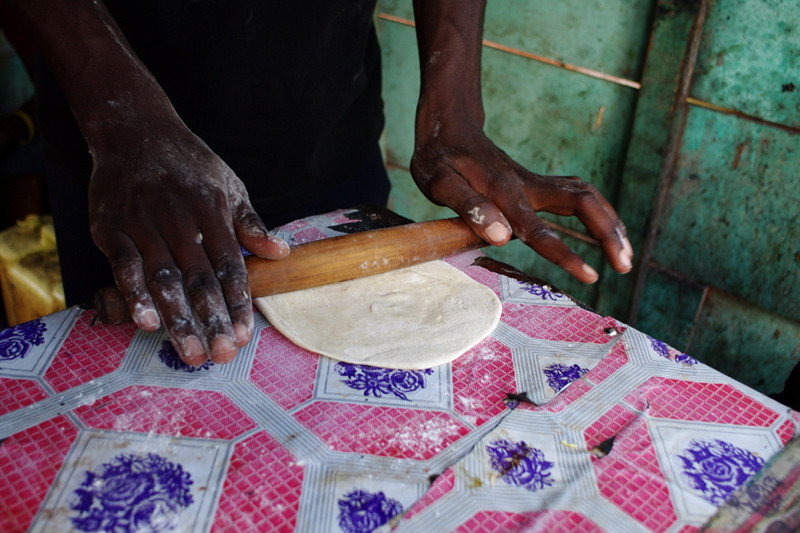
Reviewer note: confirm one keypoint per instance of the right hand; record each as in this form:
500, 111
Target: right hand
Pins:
169, 214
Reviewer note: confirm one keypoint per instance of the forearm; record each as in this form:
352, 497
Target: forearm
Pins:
449, 35
456, 165
104, 82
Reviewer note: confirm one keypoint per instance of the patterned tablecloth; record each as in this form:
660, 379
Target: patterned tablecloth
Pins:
561, 420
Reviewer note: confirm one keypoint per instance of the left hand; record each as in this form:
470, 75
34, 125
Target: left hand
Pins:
458, 166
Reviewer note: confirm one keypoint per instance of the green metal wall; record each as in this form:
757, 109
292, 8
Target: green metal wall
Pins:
686, 115
721, 253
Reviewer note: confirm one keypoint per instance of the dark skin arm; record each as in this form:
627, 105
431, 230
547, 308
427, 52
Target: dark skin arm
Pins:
166, 210
14, 129
456, 165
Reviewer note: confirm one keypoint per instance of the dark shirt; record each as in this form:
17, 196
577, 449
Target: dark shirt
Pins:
287, 93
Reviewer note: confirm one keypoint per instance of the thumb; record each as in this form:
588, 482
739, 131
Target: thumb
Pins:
254, 237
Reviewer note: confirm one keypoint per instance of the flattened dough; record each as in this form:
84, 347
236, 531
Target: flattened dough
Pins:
414, 318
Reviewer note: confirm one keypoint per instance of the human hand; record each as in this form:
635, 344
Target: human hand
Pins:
461, 168
167, 212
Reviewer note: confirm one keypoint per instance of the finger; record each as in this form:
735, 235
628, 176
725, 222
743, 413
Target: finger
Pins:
537, 235
544, 241
568, 195
231, 275
130, 279
253, 234
204, 295
602, 221
626, 243
165, 284
476, 210
450, 188
126, 265
620, 249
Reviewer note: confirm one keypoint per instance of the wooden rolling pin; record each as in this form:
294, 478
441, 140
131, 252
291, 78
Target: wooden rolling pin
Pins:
336, 259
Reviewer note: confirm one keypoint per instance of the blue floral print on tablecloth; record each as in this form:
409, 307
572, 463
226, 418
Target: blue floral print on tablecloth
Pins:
717, 468
560, 375
361, 511
132, 493
376, 381
542, 291
170, 357
520, 464
661, 349
16, 342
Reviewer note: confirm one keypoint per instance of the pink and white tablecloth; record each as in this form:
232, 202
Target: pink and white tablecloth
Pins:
561, 420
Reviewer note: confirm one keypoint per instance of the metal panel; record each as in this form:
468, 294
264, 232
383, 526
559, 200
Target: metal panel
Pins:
605, 35
654, 127
724, 216
550, 120
746, 343
671, 309
400, 90
750, 59
557, 122
731, 219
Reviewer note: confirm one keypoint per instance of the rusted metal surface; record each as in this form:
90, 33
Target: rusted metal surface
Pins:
731, 217
750, 59
656, 130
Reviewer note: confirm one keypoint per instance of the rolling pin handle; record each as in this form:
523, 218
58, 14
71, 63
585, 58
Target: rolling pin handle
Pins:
111, 307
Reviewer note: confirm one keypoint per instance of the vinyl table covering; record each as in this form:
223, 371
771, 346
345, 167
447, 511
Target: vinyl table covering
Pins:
560, 420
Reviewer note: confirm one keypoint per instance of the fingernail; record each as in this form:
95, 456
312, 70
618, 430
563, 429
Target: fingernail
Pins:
193, 348
242, 333
147, 319
283, 248
497, 232
591, 272
222, 349
625, 259
626, 247
277, 240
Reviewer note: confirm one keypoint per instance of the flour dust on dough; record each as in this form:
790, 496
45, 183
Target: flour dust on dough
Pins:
413, 318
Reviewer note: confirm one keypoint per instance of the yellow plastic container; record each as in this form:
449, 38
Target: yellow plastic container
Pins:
29, 274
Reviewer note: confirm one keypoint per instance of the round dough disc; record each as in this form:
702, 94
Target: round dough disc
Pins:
413, 318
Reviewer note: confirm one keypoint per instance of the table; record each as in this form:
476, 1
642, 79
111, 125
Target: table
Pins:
561, 420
